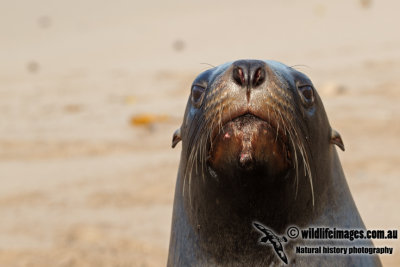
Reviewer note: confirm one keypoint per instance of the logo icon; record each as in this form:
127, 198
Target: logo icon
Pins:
272, 238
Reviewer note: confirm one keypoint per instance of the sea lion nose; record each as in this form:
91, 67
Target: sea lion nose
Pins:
249, 73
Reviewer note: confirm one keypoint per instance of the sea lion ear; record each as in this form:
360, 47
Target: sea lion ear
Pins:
176, 138
336, 139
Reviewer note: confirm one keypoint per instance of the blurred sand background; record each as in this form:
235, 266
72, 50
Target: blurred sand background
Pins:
84, 183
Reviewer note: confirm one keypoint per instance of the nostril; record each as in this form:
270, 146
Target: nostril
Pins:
259, 77
238, 76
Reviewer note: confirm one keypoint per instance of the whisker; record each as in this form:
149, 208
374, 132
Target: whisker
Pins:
208, 64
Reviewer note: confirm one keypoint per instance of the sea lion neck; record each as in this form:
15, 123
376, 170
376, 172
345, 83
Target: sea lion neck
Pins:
219, 211
245, 197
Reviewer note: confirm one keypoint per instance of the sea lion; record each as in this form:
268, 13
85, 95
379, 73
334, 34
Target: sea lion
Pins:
257, 147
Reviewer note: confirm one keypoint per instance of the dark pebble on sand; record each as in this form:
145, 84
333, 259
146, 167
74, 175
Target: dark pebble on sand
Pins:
44, 22
178, 45
33, 67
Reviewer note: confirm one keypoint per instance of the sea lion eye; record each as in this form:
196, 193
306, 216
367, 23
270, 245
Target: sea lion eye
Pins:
197, 95
307, 94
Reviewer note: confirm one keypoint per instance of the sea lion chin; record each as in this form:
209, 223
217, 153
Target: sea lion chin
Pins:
251, 146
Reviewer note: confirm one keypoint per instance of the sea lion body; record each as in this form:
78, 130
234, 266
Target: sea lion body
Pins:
257, 146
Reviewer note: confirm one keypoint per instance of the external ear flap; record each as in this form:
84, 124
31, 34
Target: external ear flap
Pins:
336, 139
176, 138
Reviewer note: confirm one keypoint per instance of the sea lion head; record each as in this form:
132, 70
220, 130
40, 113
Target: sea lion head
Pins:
254, 122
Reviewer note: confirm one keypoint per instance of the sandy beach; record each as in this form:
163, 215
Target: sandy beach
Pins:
92, 91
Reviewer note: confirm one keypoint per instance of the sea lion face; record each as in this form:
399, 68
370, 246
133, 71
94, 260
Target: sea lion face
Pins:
253, 118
